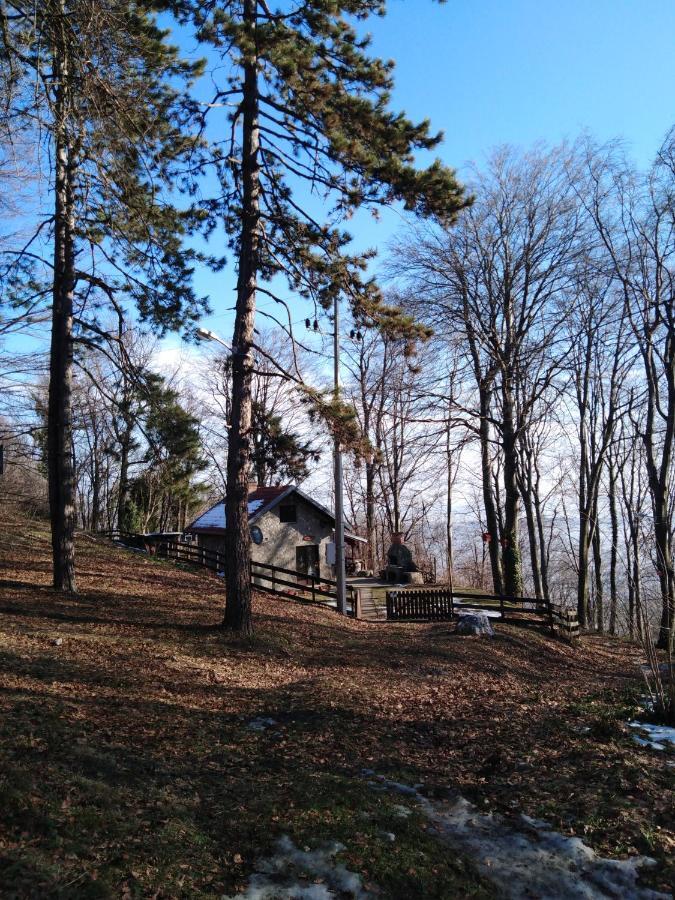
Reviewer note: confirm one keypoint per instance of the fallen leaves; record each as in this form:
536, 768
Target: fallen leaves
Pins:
131, 737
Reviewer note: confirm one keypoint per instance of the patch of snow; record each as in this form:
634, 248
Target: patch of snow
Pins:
469, 611
532, 861
119, 543
215, 517
657, 735
403, 812
261, 723
212, 518
294, 874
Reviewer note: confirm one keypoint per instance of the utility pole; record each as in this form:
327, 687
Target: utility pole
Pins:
340, 574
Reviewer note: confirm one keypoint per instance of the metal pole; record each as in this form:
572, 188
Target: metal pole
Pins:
340, 575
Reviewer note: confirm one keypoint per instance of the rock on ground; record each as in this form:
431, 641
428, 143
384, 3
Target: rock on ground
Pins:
474, 623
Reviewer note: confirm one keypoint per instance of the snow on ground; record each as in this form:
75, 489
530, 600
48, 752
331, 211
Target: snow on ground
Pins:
468, 611
657, 735
530, 859
294, 874
262, 723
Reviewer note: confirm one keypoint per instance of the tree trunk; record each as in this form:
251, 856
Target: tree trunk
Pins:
370, 512
124, 522
543, 545
488, 494
237, 537
95, 487
659, 474
527, 493
511, 565
614, 519
597, 571
448, 518
665, 566
61, 475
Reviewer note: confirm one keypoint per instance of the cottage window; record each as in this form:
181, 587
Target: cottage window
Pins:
288, 513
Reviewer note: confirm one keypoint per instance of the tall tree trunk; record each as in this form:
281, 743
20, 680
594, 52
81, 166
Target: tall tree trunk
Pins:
61, 475
95, 488
448, 519
511, 565
527, 493
613, 555
491, 519
666, 572
597, 571
370, 512
543, 545
124, 522
637, 587
237, 537
659, 474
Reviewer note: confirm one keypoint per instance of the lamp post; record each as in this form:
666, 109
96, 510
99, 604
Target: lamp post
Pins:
340, 573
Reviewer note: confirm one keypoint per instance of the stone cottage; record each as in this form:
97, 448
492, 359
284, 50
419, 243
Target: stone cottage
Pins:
288, 529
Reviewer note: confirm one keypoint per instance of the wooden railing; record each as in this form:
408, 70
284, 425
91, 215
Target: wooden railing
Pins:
276, 583
287, 583
440, 604
196, 556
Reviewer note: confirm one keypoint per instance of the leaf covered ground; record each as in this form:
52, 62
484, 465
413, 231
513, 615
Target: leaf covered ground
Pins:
146, 753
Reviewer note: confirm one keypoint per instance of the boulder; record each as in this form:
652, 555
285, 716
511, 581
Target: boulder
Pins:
414, 578
474, 623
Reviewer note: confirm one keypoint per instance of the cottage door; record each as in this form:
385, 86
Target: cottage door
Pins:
307, 559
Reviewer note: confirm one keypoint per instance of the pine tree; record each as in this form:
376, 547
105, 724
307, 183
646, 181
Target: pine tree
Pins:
310, 115
277, 453
173, 459
99, 81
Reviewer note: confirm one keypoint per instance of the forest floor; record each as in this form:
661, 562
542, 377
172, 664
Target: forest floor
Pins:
146, 753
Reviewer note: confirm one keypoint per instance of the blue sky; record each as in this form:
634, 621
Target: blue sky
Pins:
517, 71
489, 72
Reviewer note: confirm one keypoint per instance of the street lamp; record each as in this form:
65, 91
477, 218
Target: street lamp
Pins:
340, 569
203, 334
340, 572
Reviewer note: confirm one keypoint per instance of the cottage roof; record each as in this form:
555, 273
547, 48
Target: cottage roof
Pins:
260, 501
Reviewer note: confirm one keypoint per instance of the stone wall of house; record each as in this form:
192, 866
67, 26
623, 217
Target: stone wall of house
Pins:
280, 539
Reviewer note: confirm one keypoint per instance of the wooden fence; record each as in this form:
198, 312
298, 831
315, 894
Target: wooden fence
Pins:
440, 604
189, 553
423, 604
287, 583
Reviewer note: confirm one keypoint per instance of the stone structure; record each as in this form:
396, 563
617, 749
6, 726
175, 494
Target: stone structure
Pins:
400, 563
288, 529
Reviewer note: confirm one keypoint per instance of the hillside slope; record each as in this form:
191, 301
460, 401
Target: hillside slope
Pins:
146, 753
